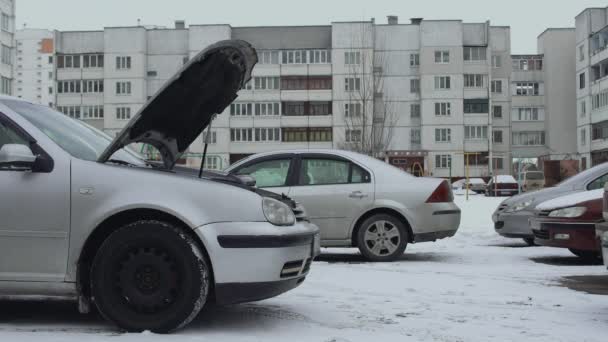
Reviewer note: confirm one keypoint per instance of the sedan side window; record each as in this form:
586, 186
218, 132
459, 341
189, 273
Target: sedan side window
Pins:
598, 183
359, 175
268, 173
9, 136
324, 172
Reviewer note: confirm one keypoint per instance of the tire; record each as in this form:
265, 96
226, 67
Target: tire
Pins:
529, 241
149, 275
385, 231
586, 255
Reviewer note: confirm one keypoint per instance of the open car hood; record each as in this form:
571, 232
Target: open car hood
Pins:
186, 104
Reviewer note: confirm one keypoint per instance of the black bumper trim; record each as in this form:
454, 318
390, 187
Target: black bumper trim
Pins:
447, 212
265, 241
235, 293
434, 236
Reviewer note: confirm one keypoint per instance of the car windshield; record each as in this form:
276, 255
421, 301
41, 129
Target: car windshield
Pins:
75, 137
578, 178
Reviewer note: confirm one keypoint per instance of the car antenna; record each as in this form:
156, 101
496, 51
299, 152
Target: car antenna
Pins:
206, 141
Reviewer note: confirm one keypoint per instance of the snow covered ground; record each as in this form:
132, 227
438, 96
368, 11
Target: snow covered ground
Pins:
473, 287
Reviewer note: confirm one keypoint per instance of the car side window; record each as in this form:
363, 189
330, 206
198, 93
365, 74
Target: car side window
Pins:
323, 172
359, 175
598, 183
9, 136
268, 173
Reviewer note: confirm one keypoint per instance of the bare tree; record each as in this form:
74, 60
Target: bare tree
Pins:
369, 114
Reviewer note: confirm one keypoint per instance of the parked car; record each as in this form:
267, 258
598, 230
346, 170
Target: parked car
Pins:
357, 200
569, 222
477, 185
531, 180
502, 185
601, 229
84, 218
512, 215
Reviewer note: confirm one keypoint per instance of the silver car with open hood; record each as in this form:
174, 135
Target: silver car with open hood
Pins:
86, 219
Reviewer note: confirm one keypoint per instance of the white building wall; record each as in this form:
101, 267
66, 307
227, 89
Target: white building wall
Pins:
34, 68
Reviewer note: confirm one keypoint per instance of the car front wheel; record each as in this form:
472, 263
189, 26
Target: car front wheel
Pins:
149, 275
382, 237
586, 255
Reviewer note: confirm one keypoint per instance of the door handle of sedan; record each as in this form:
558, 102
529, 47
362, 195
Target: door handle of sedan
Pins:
357, 194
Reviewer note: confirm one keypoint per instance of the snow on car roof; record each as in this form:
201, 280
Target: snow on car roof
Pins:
571, 199
504, 179
476, 181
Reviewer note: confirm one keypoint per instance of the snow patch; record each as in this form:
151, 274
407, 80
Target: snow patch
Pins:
571, 200
504, 179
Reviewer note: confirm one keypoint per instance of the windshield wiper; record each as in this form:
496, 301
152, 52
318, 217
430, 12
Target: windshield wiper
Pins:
121, 162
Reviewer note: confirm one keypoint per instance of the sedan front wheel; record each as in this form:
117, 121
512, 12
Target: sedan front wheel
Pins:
382, 237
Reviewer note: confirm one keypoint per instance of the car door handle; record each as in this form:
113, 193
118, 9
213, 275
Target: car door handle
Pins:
357, 194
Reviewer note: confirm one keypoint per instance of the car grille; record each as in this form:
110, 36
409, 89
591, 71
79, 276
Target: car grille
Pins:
541, 234
499, 225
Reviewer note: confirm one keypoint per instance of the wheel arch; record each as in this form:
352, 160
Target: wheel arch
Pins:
380, 210
115, 222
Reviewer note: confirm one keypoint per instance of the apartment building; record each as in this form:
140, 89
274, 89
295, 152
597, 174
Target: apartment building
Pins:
34, 68
543, 99
592, 85
7, 45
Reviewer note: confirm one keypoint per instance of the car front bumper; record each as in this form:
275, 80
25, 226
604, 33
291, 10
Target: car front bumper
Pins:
256, 260
573, 235
513, 225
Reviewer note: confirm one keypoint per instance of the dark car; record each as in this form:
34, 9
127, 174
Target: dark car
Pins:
502, 185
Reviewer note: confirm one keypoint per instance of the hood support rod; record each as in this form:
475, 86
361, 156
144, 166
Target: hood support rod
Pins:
200, 171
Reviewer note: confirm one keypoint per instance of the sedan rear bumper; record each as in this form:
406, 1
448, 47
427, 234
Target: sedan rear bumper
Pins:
580, 236
435, 221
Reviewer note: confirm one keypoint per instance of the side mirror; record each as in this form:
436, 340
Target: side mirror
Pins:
247, 180
16, 156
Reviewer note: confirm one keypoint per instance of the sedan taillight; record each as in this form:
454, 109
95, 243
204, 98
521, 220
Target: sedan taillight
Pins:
442, 194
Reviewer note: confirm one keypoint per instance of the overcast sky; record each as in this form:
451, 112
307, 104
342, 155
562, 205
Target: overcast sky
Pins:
527, 18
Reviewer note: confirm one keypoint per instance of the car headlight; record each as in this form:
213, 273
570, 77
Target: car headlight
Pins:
568, 212
519, 206
277, 212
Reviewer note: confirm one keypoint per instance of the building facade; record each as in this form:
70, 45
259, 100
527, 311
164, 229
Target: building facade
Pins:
433, 97
35, 66
7, 45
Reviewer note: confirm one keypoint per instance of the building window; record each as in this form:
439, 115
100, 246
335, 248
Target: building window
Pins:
415, 136
599, 130
6, 86
353, 135
123, 113
497, 163
267, 108
414, 60
268, 57
68, 61
241, 109
267, 134
306, 134
443, 134
6, 55
534, 138
496, 86
443, 109
352, 84
352, 58
599, 100
583, 137
475, 132
415, 110
267, 83
497, 112
92, 112
527, 114
213, 163
581, 81
442, 82
92, 86
442, 57
474, 53
476, 106
443, 161
5, 23
241, 134
352, 110
92, 61
473, 80
68, 87
209, 138
583, 108
527, 88
581, 53
123, 62
497, 137
295, 57
414, 85
50, 75
50, 90
320, 56
527, 63
496, 61
123, 88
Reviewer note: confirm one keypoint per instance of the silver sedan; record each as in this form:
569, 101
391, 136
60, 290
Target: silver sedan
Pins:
356, 200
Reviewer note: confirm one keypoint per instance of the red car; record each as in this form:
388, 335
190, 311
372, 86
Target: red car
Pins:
569, 222
502, 185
